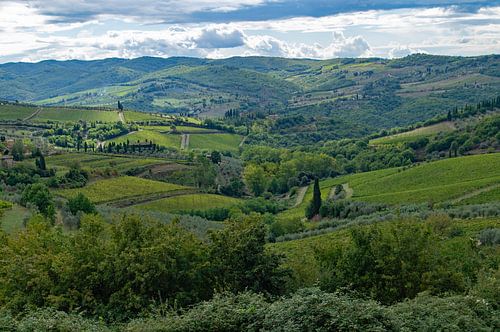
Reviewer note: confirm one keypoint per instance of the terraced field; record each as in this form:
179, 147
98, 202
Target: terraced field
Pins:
427, 131
120, 188
189, 202
99, 161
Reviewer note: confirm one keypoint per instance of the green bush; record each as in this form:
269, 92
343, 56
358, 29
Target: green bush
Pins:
457, 313
489, 236
80, 203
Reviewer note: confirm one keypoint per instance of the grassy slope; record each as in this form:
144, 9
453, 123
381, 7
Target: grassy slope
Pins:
326, 187
189, 202
484, 197
12, 219
15, 112
414, 134
118, 188
435, 181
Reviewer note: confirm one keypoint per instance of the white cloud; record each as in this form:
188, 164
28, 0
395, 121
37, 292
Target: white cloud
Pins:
402, 51
216, 37
339, 47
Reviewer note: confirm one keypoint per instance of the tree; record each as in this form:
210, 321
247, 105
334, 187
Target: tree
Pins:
39, 195
18, 150
40, 163
120, 106
315, 204
205, 173
78, 142
216, 157
255, 179
81, 203
453, 149
240, 261
394, 263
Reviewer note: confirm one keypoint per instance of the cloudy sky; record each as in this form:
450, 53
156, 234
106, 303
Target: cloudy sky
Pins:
35, 30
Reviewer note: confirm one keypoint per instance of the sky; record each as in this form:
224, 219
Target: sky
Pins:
36, 30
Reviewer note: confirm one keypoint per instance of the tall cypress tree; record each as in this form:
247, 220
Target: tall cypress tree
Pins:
315, 204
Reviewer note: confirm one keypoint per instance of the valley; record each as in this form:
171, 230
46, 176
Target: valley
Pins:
195, 182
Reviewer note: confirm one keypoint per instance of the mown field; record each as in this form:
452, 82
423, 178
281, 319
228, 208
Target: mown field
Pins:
74, 115
220, 142
415, 134
301, 254
139, 116
189, 202
16, 112
113, 189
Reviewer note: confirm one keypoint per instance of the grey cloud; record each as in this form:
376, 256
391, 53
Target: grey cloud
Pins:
188, 11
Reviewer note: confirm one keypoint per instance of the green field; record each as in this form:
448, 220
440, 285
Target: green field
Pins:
16, 112
91, 162
221, 142
12, 218
181, 129
430, 182
415, 134
435, 182
120, 188
197, 140
74, 115
168, 140
187, 129
131, 116
189, 202
488, 196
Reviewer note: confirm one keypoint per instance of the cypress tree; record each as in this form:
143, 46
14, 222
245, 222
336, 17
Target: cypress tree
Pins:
315, 205
41, 163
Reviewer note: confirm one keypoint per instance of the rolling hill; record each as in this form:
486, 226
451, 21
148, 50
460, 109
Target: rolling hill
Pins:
338, 97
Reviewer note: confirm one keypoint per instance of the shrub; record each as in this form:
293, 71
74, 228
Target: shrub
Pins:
489, 236
81, 203
457, 313
39, 195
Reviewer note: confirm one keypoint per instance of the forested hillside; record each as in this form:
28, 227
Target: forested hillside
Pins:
335, 98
